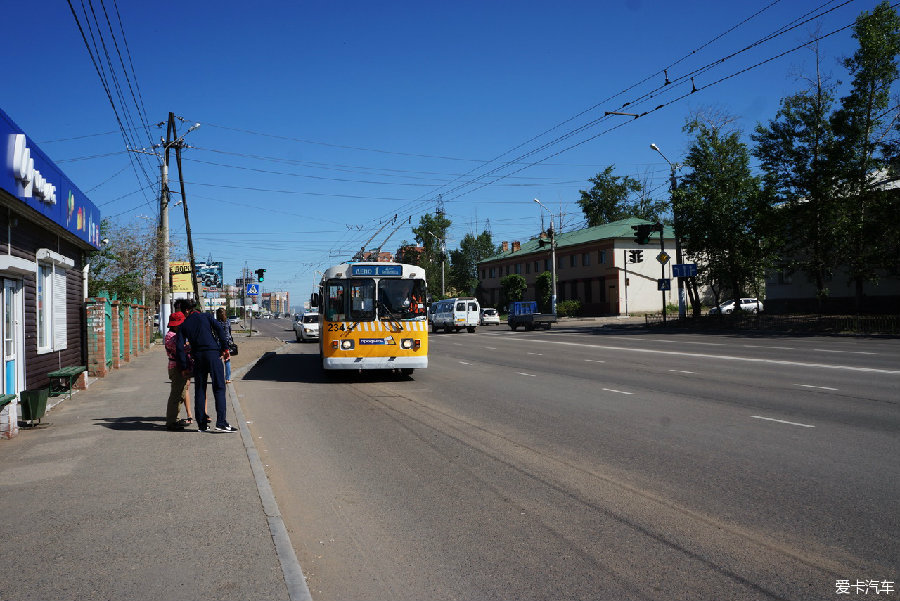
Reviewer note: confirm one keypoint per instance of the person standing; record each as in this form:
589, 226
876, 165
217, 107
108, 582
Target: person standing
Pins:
179, 393
226, 327
208, 347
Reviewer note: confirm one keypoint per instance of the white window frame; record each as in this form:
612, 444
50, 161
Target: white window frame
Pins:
51, 269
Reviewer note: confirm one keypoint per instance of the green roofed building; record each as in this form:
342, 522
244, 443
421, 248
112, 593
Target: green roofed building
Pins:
601, 266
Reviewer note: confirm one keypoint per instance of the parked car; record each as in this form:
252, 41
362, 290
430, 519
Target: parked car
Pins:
750, 305
490, 317
306, 327
235, 319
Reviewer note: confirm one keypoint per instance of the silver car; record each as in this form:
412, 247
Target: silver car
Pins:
490, 317
306, 327
750, 305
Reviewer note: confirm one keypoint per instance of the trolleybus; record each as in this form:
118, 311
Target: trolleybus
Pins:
372, 316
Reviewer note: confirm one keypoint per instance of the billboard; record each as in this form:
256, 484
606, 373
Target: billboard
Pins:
180, 272
210, 276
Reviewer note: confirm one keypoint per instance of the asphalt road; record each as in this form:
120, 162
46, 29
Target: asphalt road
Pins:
588, 463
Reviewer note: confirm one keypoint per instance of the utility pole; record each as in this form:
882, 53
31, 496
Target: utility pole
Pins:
172, 141
552, 257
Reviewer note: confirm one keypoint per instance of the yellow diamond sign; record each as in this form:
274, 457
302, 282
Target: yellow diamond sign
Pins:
662, 257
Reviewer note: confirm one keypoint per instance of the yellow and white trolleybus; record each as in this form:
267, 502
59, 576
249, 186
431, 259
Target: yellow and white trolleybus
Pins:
372, 316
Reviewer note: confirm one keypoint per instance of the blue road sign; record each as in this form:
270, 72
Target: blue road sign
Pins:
253, 289
664, 284
684, 270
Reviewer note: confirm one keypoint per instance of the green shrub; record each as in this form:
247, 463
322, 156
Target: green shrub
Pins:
568, 308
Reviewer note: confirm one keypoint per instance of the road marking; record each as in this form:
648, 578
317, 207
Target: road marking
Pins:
818, 387
681, 371
522, 373
491, 348
594, 361
720, 357
781, 421
464, 363
617, 391
534, 353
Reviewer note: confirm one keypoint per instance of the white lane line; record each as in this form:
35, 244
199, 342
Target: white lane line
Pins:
817, 387
781, 421
491, 348
534, 354
464, 363
594, 361
522, 373
719, 357
617, 391
682, 371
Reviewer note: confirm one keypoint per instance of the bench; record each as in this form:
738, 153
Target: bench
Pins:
62, 380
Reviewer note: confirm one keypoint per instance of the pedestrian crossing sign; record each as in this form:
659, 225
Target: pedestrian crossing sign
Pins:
253, 289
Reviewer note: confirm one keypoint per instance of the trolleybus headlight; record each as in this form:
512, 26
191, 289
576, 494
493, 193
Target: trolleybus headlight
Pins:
406, 343
346, 345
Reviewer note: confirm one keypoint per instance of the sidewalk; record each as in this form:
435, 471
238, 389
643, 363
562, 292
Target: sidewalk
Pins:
105, 503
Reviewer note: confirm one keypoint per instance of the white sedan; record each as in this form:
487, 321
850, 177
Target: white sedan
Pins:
306, 327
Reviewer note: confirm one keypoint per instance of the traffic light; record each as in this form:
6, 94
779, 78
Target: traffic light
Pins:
260, 275
642, 233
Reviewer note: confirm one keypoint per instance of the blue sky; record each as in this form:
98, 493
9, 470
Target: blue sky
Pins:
322, 120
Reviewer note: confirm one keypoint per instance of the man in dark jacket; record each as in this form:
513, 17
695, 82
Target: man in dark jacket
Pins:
208, 347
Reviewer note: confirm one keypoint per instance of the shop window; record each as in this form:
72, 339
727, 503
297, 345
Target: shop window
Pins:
51, 307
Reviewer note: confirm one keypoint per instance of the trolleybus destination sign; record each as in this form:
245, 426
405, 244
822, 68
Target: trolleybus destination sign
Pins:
376, 270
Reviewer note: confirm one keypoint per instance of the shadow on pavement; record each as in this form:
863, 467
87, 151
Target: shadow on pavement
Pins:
132, 423
307, 368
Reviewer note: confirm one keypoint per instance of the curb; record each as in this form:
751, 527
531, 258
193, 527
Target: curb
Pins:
294, 579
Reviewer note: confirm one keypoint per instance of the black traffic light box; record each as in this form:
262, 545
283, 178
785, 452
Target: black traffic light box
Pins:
642, 233
261, 275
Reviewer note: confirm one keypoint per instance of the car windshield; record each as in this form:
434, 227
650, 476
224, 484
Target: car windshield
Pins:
311, 318
490, 311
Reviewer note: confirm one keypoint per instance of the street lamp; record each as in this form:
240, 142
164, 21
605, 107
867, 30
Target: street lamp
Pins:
673, 182
552, 259
443, 255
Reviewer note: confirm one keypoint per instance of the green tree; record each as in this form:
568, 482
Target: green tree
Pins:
865, 130
464, 260
614, 197
799, 180
722, 211
512, 288
123, 266
543, 286
430, 234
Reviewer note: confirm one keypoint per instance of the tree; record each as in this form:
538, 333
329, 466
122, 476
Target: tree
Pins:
543, 286
614, 197
722, 212
464, 260
512, 287
799, 180
123, 266
865, 132
430, 234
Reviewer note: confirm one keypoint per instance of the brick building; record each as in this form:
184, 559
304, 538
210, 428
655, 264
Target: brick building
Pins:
600, 266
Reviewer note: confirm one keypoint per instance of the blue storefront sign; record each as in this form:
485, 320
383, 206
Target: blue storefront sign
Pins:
29, 175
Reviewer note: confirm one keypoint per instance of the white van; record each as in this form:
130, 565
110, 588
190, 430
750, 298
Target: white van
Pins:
454, 314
